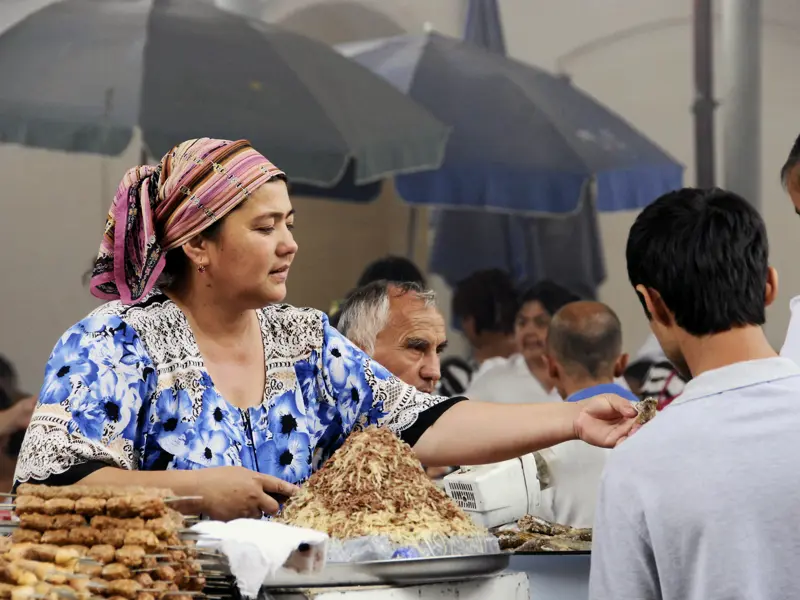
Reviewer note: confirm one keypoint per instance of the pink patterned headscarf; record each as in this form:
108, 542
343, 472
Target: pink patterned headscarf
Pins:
157, 209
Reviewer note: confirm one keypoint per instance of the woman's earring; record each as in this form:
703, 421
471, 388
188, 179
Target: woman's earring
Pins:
201, 269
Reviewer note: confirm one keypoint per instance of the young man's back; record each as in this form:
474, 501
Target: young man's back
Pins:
712, 489
703, 502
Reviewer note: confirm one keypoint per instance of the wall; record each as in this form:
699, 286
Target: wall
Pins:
633, 55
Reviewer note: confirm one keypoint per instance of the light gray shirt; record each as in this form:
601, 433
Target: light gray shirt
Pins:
704, 502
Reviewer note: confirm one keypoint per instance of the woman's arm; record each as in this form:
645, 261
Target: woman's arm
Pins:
446, 431
221, 493
473, 432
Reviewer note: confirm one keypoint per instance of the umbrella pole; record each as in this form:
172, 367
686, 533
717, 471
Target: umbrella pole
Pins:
741, 109
411, 232
704, 103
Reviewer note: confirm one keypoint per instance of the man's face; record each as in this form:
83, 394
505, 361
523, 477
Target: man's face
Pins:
667, 332
410, 344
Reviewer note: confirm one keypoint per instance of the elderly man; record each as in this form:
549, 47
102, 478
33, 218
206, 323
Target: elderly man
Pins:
399, 326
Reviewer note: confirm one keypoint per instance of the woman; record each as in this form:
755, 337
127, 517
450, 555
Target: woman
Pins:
194, 385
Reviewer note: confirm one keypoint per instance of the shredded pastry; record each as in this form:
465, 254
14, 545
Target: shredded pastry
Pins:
374, 485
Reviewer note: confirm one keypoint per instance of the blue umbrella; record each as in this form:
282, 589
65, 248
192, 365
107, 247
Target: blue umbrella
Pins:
523, 139
567, 249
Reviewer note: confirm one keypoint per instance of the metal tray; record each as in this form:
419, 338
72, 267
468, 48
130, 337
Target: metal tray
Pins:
401, 572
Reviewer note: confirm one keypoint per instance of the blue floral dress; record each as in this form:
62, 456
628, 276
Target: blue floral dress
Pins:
126, 387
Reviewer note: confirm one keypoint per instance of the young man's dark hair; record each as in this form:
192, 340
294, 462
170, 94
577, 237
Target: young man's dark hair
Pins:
550, 295
709, 265
489, 299
391, 268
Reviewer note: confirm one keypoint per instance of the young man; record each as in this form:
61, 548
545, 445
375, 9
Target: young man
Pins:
696, 504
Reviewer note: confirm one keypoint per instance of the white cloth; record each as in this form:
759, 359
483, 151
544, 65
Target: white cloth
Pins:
699, 504
257, 549
508, 381
791, 346
575, 469
650, 351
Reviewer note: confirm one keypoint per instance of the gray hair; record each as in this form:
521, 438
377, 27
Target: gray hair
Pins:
366, 311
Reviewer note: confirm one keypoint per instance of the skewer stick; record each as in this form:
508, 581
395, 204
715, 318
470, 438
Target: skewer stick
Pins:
182, 498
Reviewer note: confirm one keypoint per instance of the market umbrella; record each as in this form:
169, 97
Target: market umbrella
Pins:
80, 75
567, 249
523, 139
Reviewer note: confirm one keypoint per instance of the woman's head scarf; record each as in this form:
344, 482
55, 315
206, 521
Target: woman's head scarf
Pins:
157, 209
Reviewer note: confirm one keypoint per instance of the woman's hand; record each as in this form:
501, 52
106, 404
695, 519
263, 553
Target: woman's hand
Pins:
605, 420
235, 492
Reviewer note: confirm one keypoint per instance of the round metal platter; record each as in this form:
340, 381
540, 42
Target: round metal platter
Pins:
400, 572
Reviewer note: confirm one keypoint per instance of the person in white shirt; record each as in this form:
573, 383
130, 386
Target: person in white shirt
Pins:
790, 178
523, 377
698, 504
485, 305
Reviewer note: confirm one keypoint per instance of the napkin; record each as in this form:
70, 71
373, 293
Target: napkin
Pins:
257, 549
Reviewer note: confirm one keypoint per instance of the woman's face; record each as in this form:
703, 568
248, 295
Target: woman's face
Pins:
250, 258
530, 330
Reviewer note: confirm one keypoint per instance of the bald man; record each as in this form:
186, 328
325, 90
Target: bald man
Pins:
584, 352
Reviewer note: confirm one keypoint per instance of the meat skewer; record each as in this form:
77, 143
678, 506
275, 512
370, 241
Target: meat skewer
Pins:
115, 571
146, 507
22, 536
28, 504
90, 507
59, 537
58, 506
102, 553
40, 522
75, 492
102, 522
131, 556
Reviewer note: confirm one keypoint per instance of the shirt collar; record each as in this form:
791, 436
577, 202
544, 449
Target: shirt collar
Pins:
602, 388
737, 376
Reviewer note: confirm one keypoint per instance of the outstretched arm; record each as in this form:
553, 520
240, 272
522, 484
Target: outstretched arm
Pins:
474, 432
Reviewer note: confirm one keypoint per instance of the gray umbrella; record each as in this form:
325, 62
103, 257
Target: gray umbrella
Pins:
80, 75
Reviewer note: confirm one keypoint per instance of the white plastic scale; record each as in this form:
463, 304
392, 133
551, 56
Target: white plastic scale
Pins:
499, 493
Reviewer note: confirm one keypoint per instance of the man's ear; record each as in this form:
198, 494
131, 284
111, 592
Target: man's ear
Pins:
772, 287
553, 368
654, 304
468, 326
621, 365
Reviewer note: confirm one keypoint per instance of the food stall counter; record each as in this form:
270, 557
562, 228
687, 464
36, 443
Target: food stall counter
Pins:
504, 586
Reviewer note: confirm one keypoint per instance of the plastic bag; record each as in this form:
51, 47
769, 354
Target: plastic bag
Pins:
369, 548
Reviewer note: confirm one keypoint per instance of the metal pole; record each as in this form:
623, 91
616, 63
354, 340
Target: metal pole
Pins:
741, 106
704, 103
411, 232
